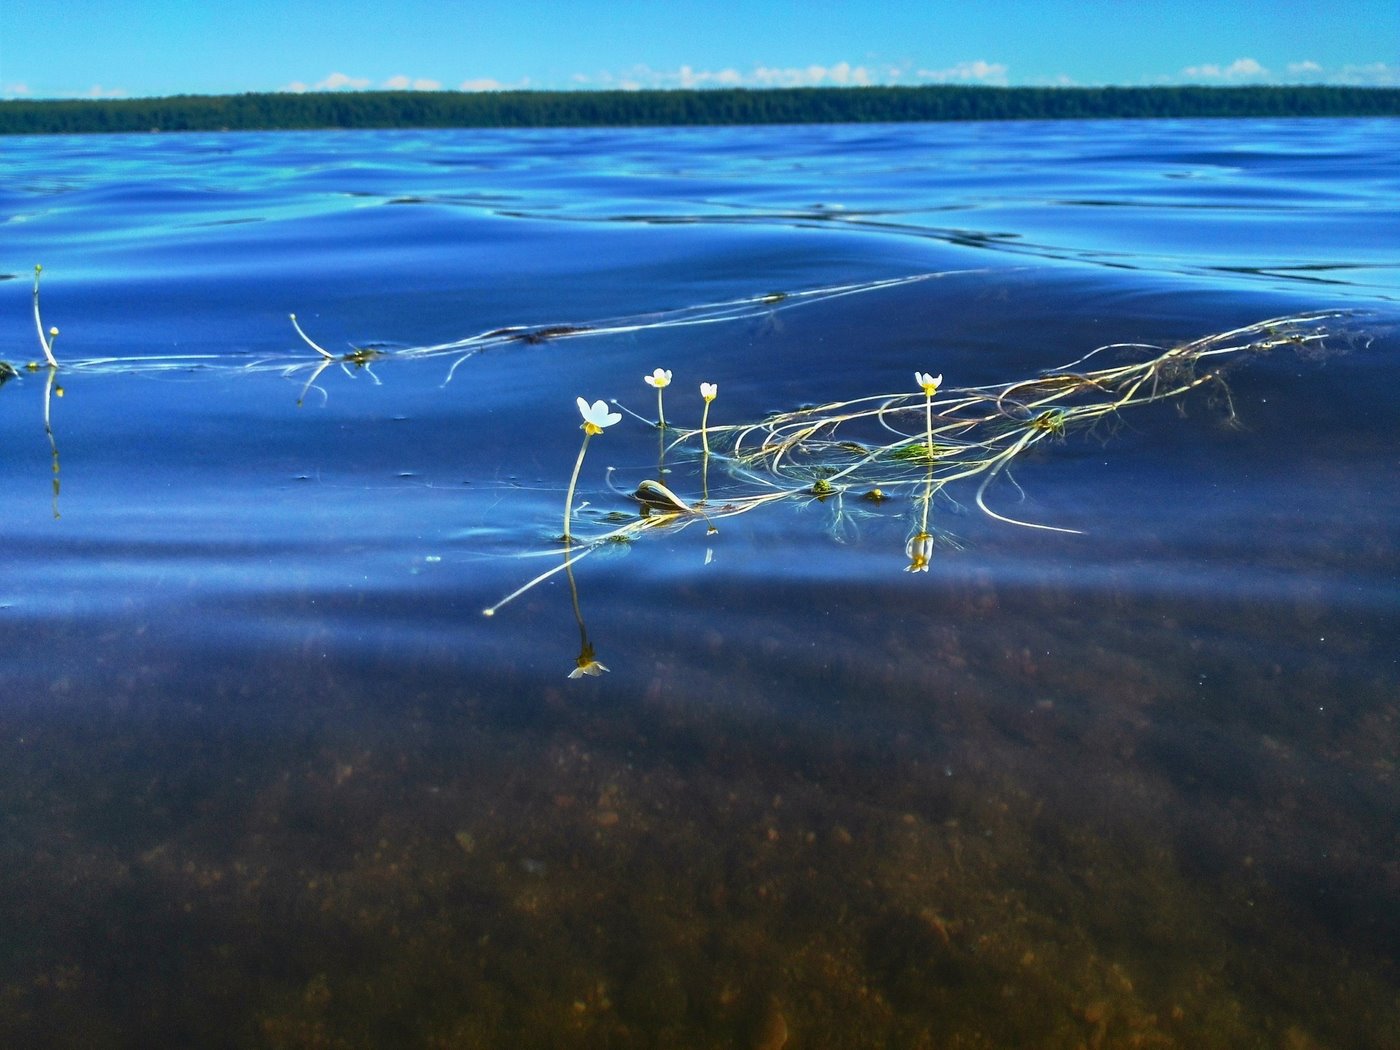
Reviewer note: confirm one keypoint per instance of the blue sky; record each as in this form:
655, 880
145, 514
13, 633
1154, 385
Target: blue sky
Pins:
117, 48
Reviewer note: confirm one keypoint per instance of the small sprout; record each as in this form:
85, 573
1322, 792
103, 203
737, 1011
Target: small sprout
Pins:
875, 496
919, 551
1050, 422
821, 487
661, 379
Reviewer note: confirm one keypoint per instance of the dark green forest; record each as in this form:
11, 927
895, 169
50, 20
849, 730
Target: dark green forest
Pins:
541, 109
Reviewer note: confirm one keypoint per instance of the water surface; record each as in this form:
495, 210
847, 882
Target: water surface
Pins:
271, 779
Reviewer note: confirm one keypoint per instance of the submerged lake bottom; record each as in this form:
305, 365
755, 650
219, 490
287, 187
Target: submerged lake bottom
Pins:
1004, 821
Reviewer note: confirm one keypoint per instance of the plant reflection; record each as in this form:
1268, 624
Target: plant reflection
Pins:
587, 662
52, 389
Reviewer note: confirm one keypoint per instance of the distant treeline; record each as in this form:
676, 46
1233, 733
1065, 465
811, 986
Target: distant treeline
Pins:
541, 109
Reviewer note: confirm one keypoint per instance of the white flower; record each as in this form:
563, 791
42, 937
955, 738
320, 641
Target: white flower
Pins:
708, 391
597, 417
928, 383
919, 551
587, 664
659, 378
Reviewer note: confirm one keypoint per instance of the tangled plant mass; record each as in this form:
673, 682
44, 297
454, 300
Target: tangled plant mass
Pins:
924, 443
874, 446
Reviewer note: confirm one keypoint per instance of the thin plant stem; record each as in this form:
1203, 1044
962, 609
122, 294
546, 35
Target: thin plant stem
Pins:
45, 338
573, 482
309, 341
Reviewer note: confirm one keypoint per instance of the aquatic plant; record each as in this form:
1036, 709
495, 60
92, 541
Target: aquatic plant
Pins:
661, 379
46, 339
929, 385
708, 391
873, 446
596, 418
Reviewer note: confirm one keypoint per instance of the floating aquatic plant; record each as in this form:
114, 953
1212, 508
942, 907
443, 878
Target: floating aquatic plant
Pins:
661, 379
929, 385
596, 418
708, 391
883, 445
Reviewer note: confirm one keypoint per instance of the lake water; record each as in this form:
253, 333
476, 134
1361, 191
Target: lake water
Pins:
269, 777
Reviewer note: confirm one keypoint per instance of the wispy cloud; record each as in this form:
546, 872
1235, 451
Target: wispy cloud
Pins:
1373, 74
842, 74
403, 83
839, 74
976, 72
400, 82
14, 90
334, 82
1308, 71
1239, 69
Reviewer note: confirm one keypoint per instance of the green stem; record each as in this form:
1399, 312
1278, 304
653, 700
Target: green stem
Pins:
704, 422
928, 423
660, 415
45, 340
573, 481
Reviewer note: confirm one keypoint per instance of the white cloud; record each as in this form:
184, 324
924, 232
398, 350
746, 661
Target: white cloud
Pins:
98, 91
403, 83
14, 90
1306, 68
978, 71
644, 77
1239, 69
480, 84
334, 82
842, 74
1373, 74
